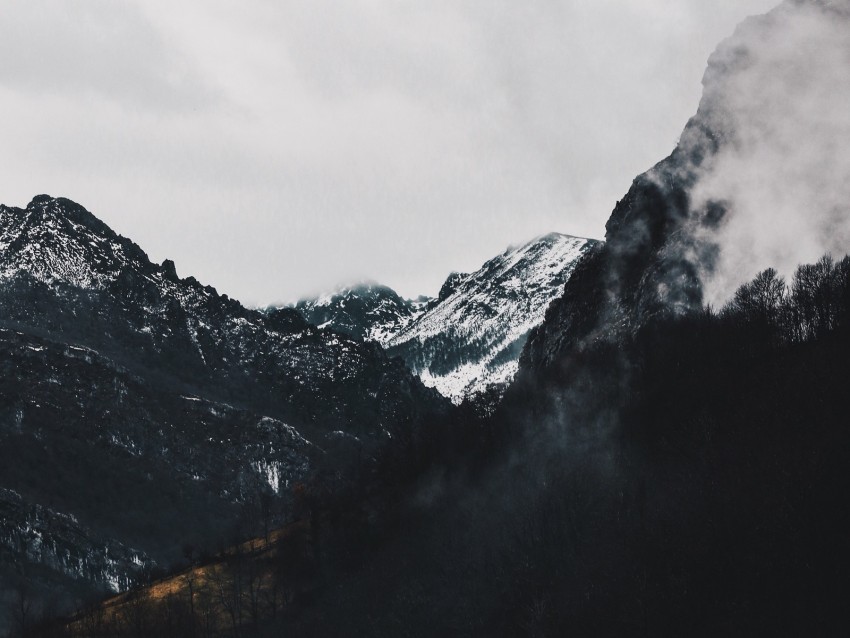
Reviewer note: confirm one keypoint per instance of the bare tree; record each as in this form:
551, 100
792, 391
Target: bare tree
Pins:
23, 606
760, 300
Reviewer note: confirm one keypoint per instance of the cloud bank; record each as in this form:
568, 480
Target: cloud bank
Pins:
783, 169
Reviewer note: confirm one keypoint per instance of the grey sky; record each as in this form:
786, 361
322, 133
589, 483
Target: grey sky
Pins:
277, 148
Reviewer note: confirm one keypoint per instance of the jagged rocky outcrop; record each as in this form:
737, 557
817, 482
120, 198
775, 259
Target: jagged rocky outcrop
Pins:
450, 285
154, 410
65, 272
466, 342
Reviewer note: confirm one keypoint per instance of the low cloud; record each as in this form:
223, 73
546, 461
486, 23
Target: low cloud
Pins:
783, 169
100, 50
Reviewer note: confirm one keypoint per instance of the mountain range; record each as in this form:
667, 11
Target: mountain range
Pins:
141, 411
465, 342
645, 464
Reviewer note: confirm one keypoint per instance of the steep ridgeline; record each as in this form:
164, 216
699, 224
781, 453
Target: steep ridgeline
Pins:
664, 238
467, 341
151, 411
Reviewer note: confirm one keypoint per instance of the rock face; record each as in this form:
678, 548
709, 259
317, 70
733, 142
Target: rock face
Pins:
668, 240
65, 272
151, 410
36, 534
467, 341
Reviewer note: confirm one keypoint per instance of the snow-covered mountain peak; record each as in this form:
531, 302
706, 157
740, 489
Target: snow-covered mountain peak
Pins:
524, 274
361, 289
57, 240
55, 254
114, 366
469, 338
366, 310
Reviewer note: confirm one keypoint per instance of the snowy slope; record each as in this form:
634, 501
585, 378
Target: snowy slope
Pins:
467, 340
471, 340
366, 311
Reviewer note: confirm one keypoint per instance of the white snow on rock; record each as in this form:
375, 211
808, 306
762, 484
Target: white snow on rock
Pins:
469, 340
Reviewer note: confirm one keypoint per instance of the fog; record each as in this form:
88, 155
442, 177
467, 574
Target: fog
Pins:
783, 170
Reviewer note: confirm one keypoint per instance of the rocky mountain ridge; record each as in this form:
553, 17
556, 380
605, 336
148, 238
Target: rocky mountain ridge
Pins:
366, 311
157, 412
465, 342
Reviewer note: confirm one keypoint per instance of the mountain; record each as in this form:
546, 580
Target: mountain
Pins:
143, 410
467, 341
670, 469
366, 311
470, 340
57, 543
657, 467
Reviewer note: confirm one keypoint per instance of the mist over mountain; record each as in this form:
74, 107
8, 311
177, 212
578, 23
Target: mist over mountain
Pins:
757, 180
776, 95
668, 457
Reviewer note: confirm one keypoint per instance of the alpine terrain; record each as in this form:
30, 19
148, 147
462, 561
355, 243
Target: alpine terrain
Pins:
141, 412
662, 450
466, 342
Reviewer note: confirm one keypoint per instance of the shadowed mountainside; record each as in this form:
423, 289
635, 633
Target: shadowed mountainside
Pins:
149, 411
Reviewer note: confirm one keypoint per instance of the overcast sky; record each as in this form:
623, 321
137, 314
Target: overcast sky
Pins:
275, 148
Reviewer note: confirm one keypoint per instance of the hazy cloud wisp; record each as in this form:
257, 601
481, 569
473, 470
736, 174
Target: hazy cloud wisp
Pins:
784, 173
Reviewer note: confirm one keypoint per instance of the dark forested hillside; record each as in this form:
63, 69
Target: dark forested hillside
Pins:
693, 482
